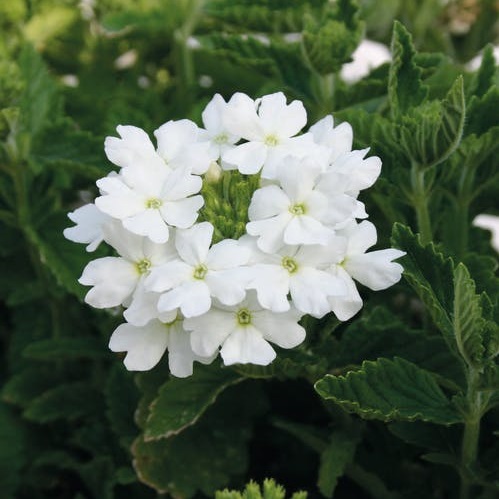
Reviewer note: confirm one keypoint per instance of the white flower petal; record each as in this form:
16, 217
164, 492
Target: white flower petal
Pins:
228, 286
345, 306
306, 230
375, 269
210, 330
360, 237
281, 119
241, 117
89, 221
173, 136
144, 308
148, 223
168, 276
227, 254
113, 280
145, 345
246, 345
180, 354
193, 244
268, 202
248, 157
281, 329
270, 232
271, 283
182, 213
192, 297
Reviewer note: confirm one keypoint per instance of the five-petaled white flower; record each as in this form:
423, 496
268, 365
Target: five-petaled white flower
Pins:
244, 332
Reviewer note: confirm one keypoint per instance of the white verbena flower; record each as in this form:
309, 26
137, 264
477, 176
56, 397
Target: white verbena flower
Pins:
490, 223
149, 202
115, 279
244, 331
88, 230
301, 272
146, 345
200, 272
216, 132
300, 210
269, 125
375, 269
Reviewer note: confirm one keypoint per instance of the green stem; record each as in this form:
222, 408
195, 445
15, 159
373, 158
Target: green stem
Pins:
471, 434
420, 200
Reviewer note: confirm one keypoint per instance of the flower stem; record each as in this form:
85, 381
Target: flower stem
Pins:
420, 200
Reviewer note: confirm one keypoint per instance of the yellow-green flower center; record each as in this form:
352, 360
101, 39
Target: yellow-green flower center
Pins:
243, 317
289, 264
221, 138
154, 203
200, 272
271, 140
297, 209
143, 266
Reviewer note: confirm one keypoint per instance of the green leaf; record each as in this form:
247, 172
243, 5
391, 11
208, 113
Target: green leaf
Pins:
390, 390
204, 456
485, 77
378, 333
12, 453
39, 98
467, 319
430, 133
337, 456
69, 401
405, 89
482, 114
270, 490
65, 349
181, 402
431, 275
330, 39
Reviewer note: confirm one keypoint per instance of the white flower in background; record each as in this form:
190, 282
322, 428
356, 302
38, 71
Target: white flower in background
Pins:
216, 132
146, 345
115, 279
296, 211
269, 125
491, 223
148, 202
298, 271
375, 269
367, 56
244, 331
199, 273
180, 147
88, 230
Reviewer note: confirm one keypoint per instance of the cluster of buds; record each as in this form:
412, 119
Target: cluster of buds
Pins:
189, 291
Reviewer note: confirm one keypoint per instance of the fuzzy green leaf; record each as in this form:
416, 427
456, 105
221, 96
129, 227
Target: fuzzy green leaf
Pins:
467, 318
405, 89
390, 390
181, 401
430, 133
337, 456
485, 77
431, 275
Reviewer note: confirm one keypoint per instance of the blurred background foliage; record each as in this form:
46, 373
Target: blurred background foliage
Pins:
70, 72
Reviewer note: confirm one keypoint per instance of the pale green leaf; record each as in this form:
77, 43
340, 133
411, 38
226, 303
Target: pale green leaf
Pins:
390, 390
181, 401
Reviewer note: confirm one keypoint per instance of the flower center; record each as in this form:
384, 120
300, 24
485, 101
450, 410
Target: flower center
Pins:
221, 138
244, 317
297, 209
289, 264
154, 203
271, 140
143, 266
200, 272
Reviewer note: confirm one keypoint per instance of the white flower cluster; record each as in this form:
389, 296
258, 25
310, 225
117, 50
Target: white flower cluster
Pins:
301, 254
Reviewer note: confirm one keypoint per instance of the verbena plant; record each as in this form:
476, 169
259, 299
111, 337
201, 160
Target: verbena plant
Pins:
396, 400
